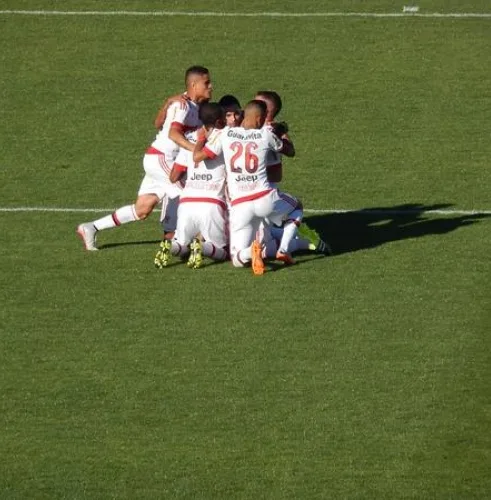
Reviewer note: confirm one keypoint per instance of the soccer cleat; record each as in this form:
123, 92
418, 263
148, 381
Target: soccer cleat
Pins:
322, 247
88, 233
257, 258
162, 257
316, 244
196, 254
285, 257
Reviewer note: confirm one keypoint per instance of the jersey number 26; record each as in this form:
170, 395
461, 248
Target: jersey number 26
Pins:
251, 161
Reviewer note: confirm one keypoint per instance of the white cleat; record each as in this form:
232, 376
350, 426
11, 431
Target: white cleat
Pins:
88, 232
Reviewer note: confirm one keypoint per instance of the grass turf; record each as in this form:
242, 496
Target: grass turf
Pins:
359, 376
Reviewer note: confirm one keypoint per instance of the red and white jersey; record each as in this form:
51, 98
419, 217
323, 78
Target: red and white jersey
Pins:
181, 115
245, 154
274, 157
206, 179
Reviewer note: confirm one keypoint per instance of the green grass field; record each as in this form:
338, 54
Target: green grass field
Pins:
361, 376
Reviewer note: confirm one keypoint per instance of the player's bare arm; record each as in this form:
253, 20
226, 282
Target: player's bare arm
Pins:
177, 135
176, 174
199, 153
275, 173
288, 148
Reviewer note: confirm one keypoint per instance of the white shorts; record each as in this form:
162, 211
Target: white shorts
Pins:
246, 219
284, 206
156, 180
207, 218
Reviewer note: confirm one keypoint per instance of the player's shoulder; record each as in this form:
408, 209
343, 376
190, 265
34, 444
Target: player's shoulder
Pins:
216, 133
181, 105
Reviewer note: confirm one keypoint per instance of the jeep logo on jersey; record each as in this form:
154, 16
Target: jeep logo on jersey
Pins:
201, 177
246, 178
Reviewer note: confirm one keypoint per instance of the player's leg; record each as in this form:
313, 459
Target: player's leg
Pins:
150, 192
179, 245
168, 215
242, 233
288, 209
213, 228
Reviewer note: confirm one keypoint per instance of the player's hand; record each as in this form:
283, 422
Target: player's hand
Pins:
182, 98
280, 128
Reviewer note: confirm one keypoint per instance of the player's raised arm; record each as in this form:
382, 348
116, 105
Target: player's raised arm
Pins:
281, 130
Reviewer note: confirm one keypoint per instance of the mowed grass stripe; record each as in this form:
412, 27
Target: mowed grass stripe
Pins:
169, 13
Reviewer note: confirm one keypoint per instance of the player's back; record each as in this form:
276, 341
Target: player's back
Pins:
205, 179
245, 153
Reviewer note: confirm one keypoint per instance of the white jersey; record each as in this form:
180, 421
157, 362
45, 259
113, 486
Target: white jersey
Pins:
206, 179
274, 158
245, 154
185, 117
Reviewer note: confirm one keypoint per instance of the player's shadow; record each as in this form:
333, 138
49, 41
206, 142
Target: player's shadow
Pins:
129, 243
371, 227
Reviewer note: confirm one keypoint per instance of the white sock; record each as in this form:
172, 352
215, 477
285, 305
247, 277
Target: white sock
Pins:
178, 249
242, 257
289, 232
214, 252
122, 215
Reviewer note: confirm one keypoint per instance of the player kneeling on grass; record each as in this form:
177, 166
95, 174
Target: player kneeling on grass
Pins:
202, 207
252, 197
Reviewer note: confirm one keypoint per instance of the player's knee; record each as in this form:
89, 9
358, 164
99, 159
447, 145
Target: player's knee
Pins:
143, 210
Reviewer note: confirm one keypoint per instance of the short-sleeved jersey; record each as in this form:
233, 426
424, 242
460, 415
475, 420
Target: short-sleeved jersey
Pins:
206, 179
245, 154
181, 115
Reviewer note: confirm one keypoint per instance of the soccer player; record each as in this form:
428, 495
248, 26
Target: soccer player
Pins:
275, 173
233, 111
181, 117
253, 199
202, 207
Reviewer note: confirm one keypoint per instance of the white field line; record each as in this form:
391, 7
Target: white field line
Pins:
171, 13
389, 211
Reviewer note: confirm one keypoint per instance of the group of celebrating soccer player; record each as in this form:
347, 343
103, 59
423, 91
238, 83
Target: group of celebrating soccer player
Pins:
216, 169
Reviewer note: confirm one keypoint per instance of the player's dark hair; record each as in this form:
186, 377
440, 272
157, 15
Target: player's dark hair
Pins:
260, 105
273, 97
210, 112
229, 102
195, 70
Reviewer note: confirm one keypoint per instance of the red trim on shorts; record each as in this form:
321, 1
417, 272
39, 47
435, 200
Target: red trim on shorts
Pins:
115, 219
203, 200
163, 164
208, 152
251, 197
152, 151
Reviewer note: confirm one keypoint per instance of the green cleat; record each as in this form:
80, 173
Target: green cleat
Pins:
162, 257
196, 255
316, 242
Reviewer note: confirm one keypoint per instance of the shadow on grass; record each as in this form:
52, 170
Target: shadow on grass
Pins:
129, 243
369, 228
